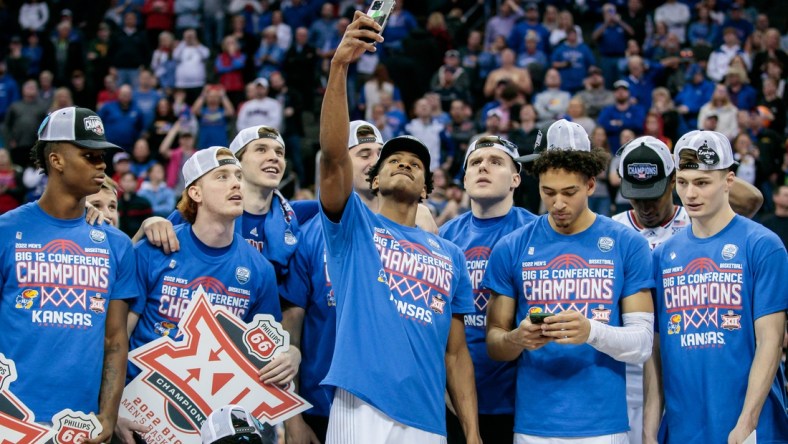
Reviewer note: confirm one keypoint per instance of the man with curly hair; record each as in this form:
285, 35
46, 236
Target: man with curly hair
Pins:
570, 302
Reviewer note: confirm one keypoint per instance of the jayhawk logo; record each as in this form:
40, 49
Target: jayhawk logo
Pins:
25, 300
674, 324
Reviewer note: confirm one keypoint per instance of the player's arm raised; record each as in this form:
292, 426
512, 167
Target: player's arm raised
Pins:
503, 342
336, 169
460, 381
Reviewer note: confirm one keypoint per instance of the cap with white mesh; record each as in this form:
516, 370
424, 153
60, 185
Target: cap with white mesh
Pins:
492, 142
231, 424
645, 168
79, 126
562, 135
713, 150
253, 133
353, 138
202, 162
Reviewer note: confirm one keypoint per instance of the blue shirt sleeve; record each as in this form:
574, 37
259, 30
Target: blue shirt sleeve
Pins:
498, 274
462, 302
638, 265
770, 260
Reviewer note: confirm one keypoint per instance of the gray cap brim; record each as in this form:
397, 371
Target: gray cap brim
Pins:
654, 190
95, 145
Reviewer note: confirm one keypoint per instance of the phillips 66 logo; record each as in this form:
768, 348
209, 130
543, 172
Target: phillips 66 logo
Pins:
265, 338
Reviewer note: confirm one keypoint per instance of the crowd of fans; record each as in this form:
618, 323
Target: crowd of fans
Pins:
169, 77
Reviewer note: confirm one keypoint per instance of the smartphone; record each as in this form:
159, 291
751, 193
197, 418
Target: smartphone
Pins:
538, 318
380, 10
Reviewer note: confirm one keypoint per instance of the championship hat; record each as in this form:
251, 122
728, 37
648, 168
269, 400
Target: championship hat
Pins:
353, 138
202, 162
645, 168
713, 149
79, 126
562, 135
492, 142
405, 143
231, 424
253, 133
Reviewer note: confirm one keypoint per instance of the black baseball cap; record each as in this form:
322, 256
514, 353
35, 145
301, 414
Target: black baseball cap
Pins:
79, 126
645, 168
408, 144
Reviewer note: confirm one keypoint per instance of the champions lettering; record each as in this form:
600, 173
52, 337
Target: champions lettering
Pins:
709, 293
427, 269
92, 273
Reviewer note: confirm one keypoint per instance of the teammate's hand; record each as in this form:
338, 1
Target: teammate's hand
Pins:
125, 428
740, 433
107, 425
160, 233
93, 216
568, 327
282, 369
528, 336
297, 431
351, 46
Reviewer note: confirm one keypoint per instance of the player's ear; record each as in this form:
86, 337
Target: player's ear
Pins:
195, 192
374, 185
591, 185
56, 160
515, 181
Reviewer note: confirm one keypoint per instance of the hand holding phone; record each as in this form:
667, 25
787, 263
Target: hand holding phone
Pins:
380, 10
538, 318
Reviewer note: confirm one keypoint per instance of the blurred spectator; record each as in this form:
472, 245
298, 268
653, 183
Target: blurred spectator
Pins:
177, 157
654, 127
18, 65
380, 121
132, 209
106, 201
146, 96
771, 149
9, 90
775, 104
721, 58
553, 102
524, 134
121, 163
395, 117
436, 26
746, 154
81, 92
611, 39
502, 23
259, 109
572, 58
246, 40
61, 99
253, 12
401, 23
778, 221
620, 204
703, 30
622, 115
46, 87
373, 88
742, 95
12, 190
518, 77
230, 65
637, 19
156, 191
490, 58
493, 124
20, 127
269, 56
696, 92
469, 60
300, 63
662, 105
577, 113
771, 51
550, 18
187, 15
213, 21
213, 111
642, 79
109, 93
190, 56
565, 23
34, 182
451, 81
159, 17
326, 52
284, 34
162, 62
128, 50
432, 134
720, 106
297, 13
97, 57
141, 159
33, 15
293, 110
460, 128
516, 38
675, 15
324, 28
739, 22
436, 109
655, 39
163, 119
599, 201
123, 120
34, 53
594, 94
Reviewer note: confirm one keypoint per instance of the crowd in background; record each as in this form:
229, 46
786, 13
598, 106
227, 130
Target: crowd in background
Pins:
169, 77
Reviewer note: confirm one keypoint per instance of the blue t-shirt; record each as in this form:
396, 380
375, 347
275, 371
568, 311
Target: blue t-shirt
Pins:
396, 289
236, 277
308, 286
711, 292
570, 390
477, 237
57, 278
213, 128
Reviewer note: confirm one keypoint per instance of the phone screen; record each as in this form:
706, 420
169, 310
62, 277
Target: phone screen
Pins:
380, 10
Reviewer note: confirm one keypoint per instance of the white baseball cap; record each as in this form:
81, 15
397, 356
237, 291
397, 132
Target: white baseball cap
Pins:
562, 135
79, 126
253, 133
204, 161
353, 139
645, 168
231, 420
713, 149
492, 142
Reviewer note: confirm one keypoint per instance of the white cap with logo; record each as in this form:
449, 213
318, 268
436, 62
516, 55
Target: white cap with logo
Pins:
353, 139
712, 148
204, 161
253, 133
562, 135
231, 420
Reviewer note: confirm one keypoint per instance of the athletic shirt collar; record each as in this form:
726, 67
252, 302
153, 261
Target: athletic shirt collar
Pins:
65, 223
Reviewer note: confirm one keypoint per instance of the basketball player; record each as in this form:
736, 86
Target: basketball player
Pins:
400, 292
647, 177
491, 176
721, 305
105, 202
65, 284
590, 274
